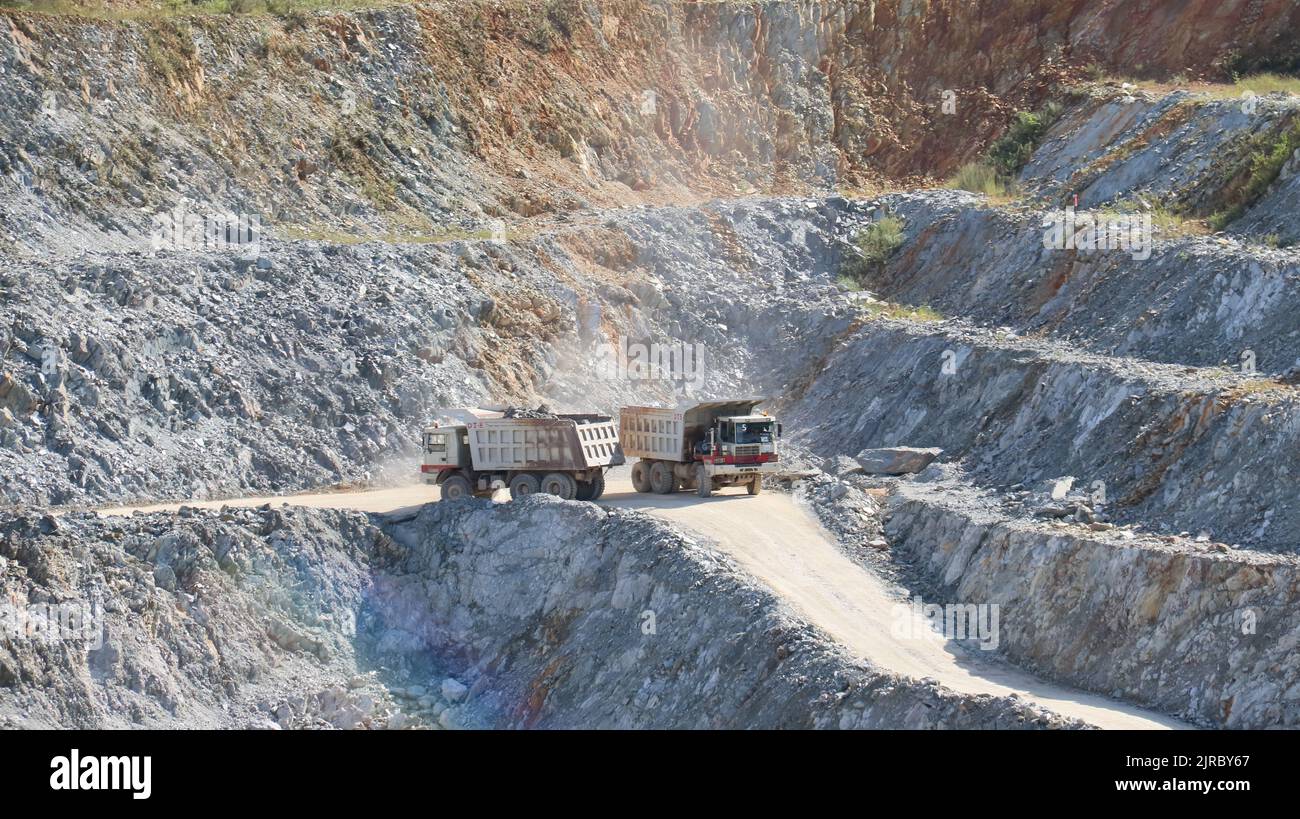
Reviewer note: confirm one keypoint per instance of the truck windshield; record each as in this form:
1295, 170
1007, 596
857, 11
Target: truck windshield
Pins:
754, 432
437, 443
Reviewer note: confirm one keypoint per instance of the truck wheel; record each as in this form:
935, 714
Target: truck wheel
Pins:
756, 485
592, 489
662, 479
523, 484
641, 476
560, 484
456, 487
703, 483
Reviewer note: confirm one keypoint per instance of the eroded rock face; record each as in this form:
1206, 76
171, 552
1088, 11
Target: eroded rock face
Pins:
568, 615
540, 613
235, 619
193, 375
454, 115
1158, 438
1174, 624
1205, 301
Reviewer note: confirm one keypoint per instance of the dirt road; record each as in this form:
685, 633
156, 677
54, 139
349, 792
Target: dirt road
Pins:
784, 547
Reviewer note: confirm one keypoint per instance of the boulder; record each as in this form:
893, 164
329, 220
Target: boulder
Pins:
453, 690
898, 460
843, 465
16, 396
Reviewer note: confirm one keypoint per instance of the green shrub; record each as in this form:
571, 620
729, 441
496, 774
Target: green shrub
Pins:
1013, 149
1266, 156
875, 244
993, 175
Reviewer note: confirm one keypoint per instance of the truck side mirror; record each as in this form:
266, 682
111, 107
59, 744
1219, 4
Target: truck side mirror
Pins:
778, 430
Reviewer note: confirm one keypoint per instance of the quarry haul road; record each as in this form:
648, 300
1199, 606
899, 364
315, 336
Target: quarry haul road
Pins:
784, 547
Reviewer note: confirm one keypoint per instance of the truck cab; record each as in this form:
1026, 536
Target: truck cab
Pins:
445, 448
741, 439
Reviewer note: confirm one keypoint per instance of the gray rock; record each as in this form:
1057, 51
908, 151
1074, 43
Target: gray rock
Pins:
400, 721
843, 465
453, 690
900, 460
1053, 511
165, 577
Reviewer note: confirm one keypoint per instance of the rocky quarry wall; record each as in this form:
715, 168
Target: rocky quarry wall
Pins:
459, 615
413, 120
1175, 625
1176, 451
194, 375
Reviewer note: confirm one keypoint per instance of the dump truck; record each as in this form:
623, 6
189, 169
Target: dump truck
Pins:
703, 447
563, 455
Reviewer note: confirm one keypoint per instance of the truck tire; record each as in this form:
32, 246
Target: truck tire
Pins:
523, 484
456, 487
591, 490
560, 484
662, 479
641, 476
755, 486
703, 483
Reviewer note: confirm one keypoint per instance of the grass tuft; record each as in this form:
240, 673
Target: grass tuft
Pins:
1268, 83
884, 309
978, 177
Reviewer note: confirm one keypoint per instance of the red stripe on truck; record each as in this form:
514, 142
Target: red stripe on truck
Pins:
767, 457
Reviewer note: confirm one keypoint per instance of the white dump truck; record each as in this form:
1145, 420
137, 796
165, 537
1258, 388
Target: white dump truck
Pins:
703, 446
564, 455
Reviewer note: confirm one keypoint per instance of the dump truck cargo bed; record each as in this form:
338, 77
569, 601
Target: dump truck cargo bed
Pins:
544, 444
